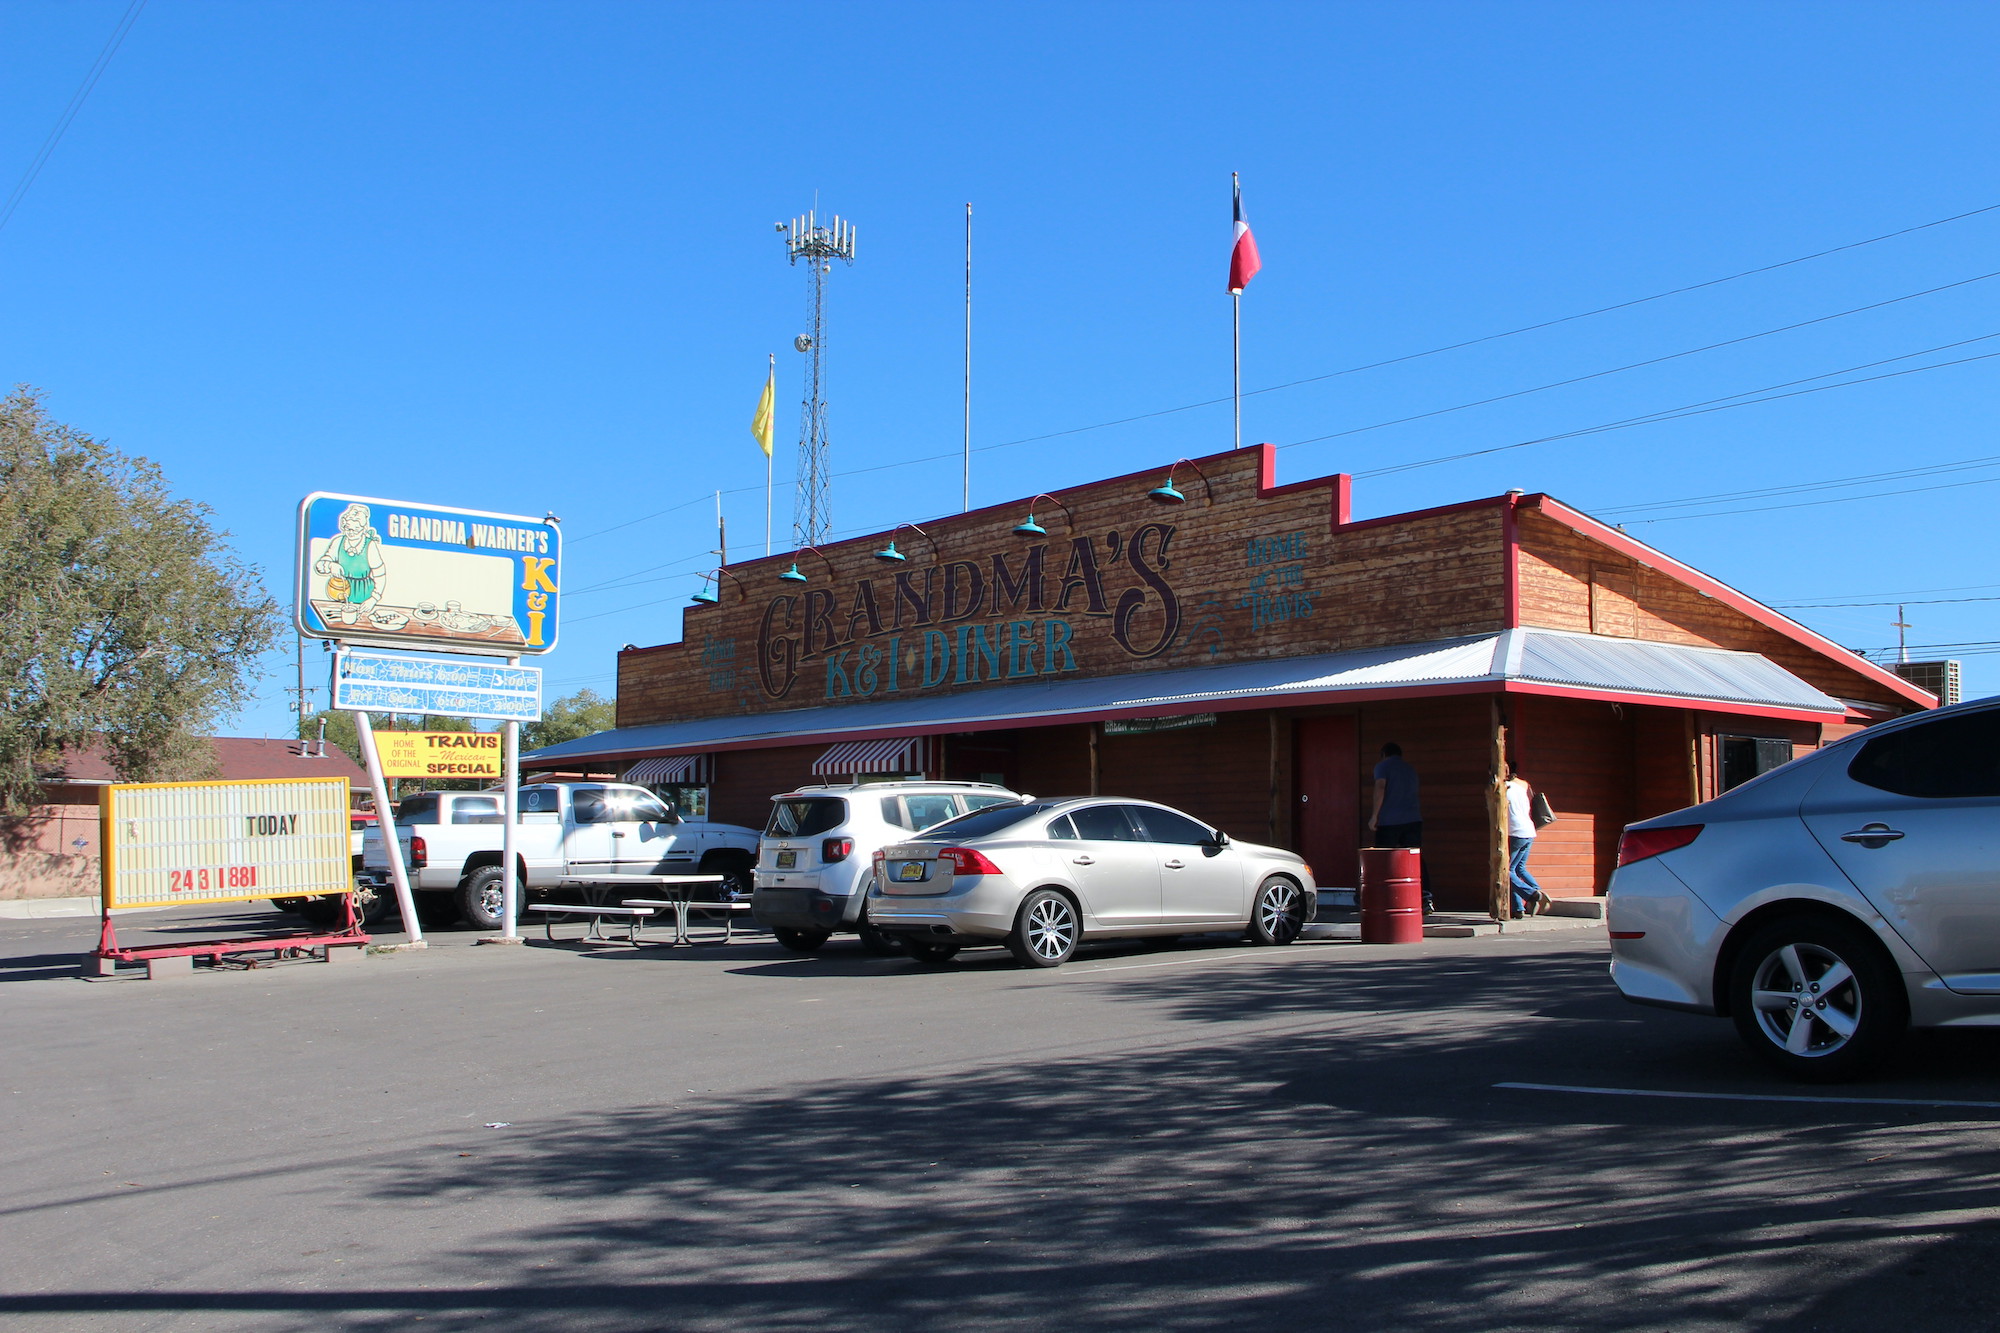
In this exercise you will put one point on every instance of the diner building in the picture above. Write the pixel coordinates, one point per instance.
(1205, 637)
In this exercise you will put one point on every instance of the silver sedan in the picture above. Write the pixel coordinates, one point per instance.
(1831, 903)
(1043, 876)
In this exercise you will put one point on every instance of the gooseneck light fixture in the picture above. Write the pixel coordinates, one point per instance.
(1030, 528)
(793, 575)
(891, 555)
(704, 597)
(1167, 493)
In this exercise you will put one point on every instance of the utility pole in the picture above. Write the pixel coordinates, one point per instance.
(818, 245)
(1903, 627)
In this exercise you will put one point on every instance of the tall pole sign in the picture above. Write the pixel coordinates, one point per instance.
(428, 579)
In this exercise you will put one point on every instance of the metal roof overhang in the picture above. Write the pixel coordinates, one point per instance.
(1520, 661)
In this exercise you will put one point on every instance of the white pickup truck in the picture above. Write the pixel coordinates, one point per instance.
(451, 845)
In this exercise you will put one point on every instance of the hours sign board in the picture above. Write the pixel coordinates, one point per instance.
(439, 754)
(425, 577)
(216, 842)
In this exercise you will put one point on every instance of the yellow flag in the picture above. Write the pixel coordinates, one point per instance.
(760, 424)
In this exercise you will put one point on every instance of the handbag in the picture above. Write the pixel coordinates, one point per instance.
(1541, 811)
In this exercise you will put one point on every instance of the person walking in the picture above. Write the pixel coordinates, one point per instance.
(1398, 818)
(1528, 896)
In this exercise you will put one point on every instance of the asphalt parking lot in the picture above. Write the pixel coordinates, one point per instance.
(730, 1137)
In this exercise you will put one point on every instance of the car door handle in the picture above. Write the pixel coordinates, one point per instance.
(1084, 860)
(1872, 835)
(1176, 865)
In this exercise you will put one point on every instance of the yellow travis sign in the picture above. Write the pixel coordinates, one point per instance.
(439, 754)
(220, 842)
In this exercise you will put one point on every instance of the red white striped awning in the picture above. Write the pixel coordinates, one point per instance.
(669, 770)
(902, 755)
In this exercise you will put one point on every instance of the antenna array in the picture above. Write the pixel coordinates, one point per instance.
(818, 245)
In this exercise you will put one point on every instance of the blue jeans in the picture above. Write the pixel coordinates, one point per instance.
(1525, 888)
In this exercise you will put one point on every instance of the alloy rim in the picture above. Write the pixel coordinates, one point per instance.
(1277, 911)
(1051, 928)
(1807, 1000)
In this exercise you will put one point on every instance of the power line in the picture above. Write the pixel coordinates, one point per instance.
(1917, 592)
(1928, 601)
(1964, 465)
(76, 102)
(1810, 504)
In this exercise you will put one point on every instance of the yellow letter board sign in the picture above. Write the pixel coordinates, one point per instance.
(439, 754)
(221, 842)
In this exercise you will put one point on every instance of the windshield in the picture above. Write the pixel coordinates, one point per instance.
(803, 816)
(985, 823)
(418, 809)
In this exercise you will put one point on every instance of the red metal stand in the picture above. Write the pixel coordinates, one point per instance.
(350, 935)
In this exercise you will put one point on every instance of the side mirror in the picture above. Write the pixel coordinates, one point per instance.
(1220, 841)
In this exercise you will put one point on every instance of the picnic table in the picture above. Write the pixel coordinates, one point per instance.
(675, 894)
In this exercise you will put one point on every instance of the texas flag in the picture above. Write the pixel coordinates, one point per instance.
(1243, 261)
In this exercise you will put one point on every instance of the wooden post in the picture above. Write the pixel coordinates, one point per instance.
(1273, 715)
(1499, 899)
(1693, 757)
(1095, 728)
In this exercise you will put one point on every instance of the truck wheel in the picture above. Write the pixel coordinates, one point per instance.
(739, 880)
(373, 903)
(322, 911)
(799, 941)
(480, 898)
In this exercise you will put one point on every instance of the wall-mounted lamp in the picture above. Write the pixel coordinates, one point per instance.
(793, 575)
(1030, 528)
(891, 555)
(1167, 493)
(704, 597)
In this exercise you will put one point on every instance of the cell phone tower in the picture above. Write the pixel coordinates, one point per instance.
(818, 246)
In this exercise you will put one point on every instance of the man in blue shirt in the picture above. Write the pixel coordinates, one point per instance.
(1398, 819)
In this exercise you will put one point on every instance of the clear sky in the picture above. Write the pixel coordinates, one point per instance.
(521, 257)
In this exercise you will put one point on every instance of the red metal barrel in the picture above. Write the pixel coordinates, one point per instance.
(1392, 895)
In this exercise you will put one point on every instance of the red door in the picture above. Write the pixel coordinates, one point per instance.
(1325, 770)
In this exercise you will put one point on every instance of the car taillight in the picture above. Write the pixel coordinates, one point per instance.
(836, 849)
(1636, 844)
(966, 861)
(420, 855)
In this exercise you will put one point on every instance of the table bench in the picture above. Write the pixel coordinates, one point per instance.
(633, 917)
(683, 908)
(675, 892)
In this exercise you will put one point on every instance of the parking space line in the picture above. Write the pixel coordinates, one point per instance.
(1748, 1096)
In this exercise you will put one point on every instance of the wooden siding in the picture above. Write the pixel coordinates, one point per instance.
(1568, 581)
(1446, 740)
(746, 780)
(1218, 774)
(1580, 754)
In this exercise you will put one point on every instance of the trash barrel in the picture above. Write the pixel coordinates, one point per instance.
(1392, 895)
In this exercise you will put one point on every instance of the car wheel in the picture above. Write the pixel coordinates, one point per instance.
(739, 879)
(928, 954)
(1816, 998)
(1279, 914)
(875, 942)
(480, 898)
(799, 941)
(1045, 930)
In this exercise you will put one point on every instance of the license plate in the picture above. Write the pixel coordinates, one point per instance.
(910, 870)
(788, 860)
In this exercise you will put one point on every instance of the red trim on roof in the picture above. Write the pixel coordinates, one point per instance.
(1607, 535)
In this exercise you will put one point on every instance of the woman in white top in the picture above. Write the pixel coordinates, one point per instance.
(1528, 895)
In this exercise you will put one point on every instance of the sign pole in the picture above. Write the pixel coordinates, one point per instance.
(510, 890)
(385, 824)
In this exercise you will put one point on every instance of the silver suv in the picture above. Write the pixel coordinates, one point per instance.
(814, 859)
(1830, 903)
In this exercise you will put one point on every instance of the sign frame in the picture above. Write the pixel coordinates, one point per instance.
(484, 760)
(340, 879)
(445, 544)
(345, 688)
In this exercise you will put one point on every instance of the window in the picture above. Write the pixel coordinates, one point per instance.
(586, 806)
(1747, 757)
(1061, 828)
(476, 810)
(991, 820)
(1104, 823)
(981, 802)
(892, 811)
(1953, 756)
(419, 809)
(1166, 826)
(805, 815)
(928, 810)
(539, 800)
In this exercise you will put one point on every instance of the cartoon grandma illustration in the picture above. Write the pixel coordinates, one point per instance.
(351, 560)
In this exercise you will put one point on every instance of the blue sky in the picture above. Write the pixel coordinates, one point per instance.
(521, 257)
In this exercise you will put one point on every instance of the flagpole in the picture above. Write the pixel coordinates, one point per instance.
(767, 465)
(1236, 358)
(968, 358)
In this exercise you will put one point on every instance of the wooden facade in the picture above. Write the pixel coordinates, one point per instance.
(1242, 570)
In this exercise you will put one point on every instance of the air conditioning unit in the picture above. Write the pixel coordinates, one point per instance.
(1940, 678)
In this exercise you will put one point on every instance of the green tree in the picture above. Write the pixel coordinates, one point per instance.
(128, 620)
(569, 718)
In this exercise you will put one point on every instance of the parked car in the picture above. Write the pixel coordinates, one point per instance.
(1042, 876)
(814, 858)
(451, 843)
(1832, 902)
